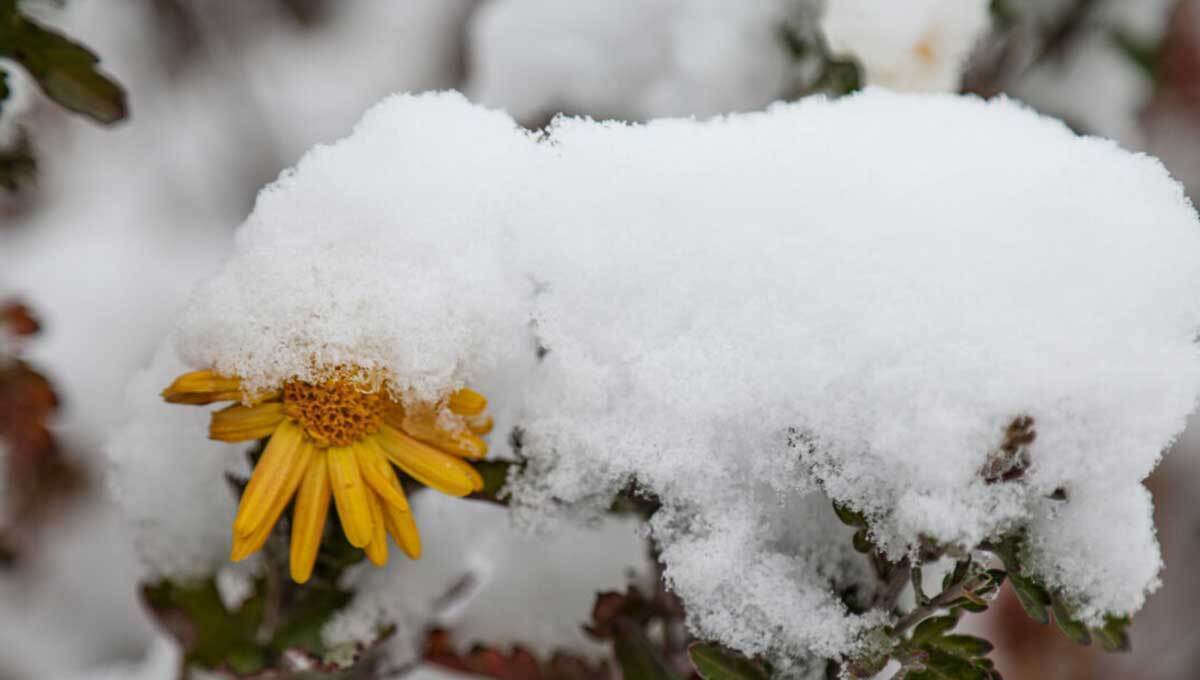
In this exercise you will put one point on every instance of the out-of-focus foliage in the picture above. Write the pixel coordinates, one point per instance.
(65, 70)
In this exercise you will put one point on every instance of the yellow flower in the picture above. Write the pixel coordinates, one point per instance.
(334, 439)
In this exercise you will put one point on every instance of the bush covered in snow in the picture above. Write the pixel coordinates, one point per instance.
(963, 326)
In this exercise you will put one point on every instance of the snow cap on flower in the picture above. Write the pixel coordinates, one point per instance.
(384, 251)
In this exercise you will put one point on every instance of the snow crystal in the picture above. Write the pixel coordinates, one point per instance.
(851, 300)
(919, 45)
(629, 59)
(489, 582)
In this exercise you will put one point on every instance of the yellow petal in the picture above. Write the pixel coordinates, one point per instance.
(245, 423)
(429, 466)
(202, 387)
(378, 473)
(377, 549)
(308, 518)
(248, 544)
(350, 495)
(480, 425)
(403, 529)
(467, 402)
(276, 476)
(424, 427)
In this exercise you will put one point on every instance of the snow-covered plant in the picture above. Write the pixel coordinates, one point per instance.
(856, 363)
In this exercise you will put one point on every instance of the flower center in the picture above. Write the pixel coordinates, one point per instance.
(335, 412)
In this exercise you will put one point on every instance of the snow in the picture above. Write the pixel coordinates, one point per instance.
(629, 59)
(162, 662)
(1100, 548)
(399, 271)
(493, 583)
(916, 46)
(170, 479)
(749, 316)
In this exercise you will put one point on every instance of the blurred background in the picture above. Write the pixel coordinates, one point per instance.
(104, 229)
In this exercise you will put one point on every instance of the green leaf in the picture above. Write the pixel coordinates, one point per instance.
(1114, 635)
(213, 637)
(850, 518)
(1033, 597)
(312, 609)
(1068, 624)
(246, 640)
(933, 627)
(714, 663)
(862, 542)
(1144, 54)
(963, 645)
(635, 655)
(917, 578)
(841, 76)
(495, 474)
(951, 667)
(65, 70)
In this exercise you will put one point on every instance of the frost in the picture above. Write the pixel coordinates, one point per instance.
(631, 59)
(919, 45)
(492, 583)
(748, 317)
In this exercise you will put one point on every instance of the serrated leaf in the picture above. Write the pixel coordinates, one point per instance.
(1071, 627)
(65, 70)
(933, 627)
(714, 663)
(963, 645)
